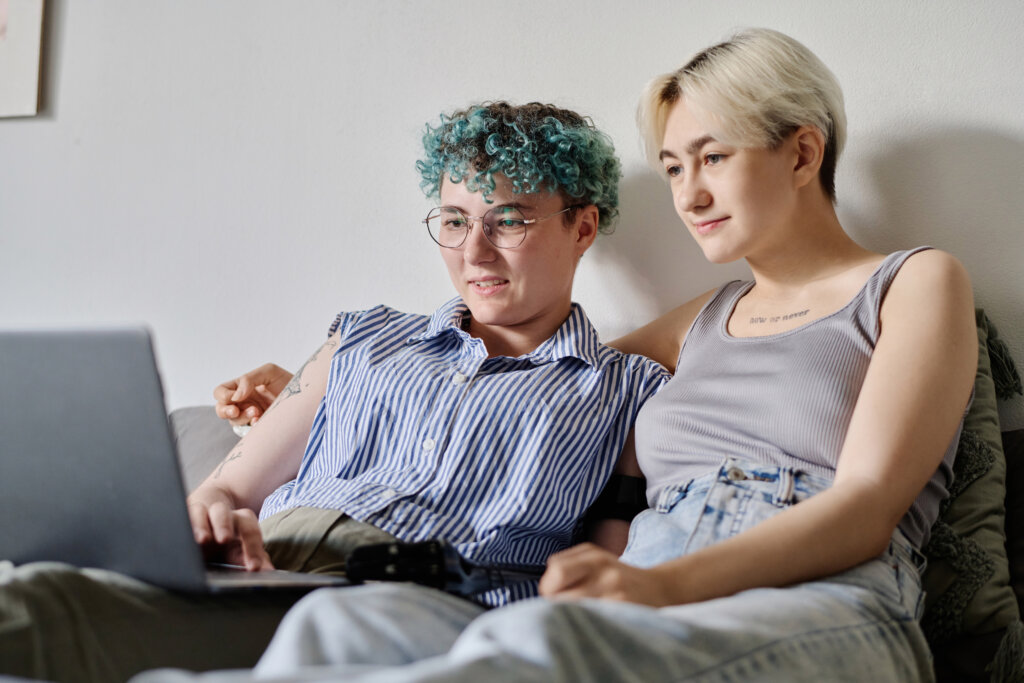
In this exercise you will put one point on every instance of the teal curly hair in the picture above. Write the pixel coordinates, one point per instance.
(536, 146)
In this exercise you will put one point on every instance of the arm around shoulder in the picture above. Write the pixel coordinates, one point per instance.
(662, 338)
(245, 399)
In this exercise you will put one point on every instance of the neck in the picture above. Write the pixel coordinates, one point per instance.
(515, 340)
(815, 247)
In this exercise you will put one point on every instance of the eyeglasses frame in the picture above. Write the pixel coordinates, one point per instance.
(472, 219)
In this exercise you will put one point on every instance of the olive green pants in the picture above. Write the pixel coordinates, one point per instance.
(61, 623)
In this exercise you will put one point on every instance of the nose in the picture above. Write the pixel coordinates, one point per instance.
(477, 248)
(692, 195)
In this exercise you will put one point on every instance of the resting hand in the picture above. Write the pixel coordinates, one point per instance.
(243, 400)
(587, 571)
(228, 536)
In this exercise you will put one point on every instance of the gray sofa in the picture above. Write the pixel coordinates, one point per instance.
(975, 578)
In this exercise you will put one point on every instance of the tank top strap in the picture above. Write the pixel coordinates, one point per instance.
(874, 290)
(713, 315)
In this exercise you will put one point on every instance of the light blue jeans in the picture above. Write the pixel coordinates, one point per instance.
(860, 625)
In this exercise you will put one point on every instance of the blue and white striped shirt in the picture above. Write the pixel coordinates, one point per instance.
(423, 436)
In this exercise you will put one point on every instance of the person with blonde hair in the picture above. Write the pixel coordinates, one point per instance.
(795, 462)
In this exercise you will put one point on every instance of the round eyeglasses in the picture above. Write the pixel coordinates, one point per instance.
(503, 226)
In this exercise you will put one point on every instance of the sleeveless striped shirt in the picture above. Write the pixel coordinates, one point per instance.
(423, 435)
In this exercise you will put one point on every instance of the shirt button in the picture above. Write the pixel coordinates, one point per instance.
(428, 444)
(459, 378)
(388, 494)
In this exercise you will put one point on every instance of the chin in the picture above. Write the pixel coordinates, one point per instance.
(719, 256)
(487, 313)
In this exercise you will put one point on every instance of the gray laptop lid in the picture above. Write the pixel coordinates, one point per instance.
(88, 469)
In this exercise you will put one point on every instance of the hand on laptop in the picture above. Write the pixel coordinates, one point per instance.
(243, 400)
(228, 536)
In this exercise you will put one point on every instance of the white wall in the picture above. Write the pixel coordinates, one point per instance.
(234, 173)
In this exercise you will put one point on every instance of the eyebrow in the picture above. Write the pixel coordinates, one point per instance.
(505, 205)
(691, 149)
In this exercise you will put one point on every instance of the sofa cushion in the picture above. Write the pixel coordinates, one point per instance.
(203, 439)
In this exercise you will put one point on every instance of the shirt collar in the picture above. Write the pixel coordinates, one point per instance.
(575, 338)
(448, 317)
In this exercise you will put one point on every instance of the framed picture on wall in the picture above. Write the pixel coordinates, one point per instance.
(21, 36)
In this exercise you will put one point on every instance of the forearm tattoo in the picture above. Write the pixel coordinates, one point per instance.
(233, 455)
(295, 386)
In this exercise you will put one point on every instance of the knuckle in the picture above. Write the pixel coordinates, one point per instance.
(246, 514)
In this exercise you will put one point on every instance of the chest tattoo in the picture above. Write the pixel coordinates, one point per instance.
(759, 319)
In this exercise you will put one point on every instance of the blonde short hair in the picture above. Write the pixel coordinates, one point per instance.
(755, 89)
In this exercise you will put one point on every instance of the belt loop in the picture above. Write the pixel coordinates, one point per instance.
(670, 495)
(784, 490)
(730, 471)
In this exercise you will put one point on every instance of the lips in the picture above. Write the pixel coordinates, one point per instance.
(706, 227)
(488, 286)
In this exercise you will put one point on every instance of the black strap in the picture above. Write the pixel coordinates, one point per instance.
(623, 497)
(433, 563)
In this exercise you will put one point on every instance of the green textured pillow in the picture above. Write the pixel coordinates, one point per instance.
(972, 619)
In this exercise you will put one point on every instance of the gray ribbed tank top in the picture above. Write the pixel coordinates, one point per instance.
(784, 399)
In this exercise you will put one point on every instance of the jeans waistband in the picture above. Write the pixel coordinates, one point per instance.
(786, 485)
(782, 486)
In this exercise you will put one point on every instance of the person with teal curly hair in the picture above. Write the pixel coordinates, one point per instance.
(492, 424)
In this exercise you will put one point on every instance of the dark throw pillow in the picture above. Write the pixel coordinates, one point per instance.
(972, 619)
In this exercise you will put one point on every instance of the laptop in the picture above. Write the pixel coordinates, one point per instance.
(89, 473)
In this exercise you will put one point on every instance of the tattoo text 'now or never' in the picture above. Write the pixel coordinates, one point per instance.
(757, 319)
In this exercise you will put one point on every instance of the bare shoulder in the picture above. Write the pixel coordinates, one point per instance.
(929, 301)
(662, 338)
(931, 278)
(931, 263)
